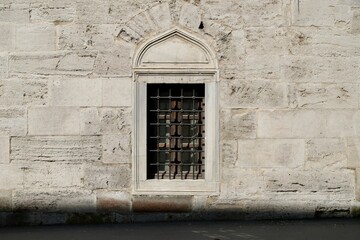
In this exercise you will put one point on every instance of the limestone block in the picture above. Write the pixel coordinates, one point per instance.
(238, 123)
(226, 12)
(190, 16)
(141, 24)
(307, 123)
(6, 37)
(310, 13)
(84, 36)
(160, 16)
(229, 150)
(111, 121)
(76, 92)
(53, 11)
(327, 42)
(13, 121)
(109, 176)
(73, 149)
(353, 152)
(114, 201)
(320, 69)
(16, 13)
(117, 92)
(5, 200)
(263, 13)
(325, 95)
(254, 94)
(115, 120)
(325, 154)
(93, 11)
(98, 11)
(71, 63)
(300, 184)
(116, 148)
(117, 62)
(245, 183)
(23, 92)
(271, 153)
(90, 123)
(355, 21)
(11, 176)
(4, 150)
(54, 200)
(35, 37)
(162, 203)
(262, 67)
(53, 175)
(266, 41)
(3, 65)
(53, 121)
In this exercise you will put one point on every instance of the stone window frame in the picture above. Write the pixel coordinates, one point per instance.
(173, 72)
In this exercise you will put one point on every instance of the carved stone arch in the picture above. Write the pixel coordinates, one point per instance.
(175, 48)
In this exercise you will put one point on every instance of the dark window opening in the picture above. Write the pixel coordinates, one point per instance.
(175, 131)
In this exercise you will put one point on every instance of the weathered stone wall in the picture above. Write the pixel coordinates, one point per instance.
(289, 106)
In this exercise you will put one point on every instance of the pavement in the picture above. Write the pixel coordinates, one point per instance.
(327, 229)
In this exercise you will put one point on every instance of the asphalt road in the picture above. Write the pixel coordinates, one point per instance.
(339, 229)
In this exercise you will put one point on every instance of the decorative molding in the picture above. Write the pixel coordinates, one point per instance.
(174, 49)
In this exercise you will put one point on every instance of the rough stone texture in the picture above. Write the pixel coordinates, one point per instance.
(326, 154)
(325, 95)
(13, 121)
(54, 121)
(274, 153)
(353, 152)
(74, 149)
(3, 65)
(116, 148)
(6, 37)
(54, 200)
(238, 123)
(85, 36)
(79, 92)
(307, 185)
(107, 176)
(52, 63)
(14, 12)
(254, 94)
(19, 92)
(115, 62)
(307, 123)
(53, 11)
(53, 175)
(4, 150)
(355, 27)
(35, 37)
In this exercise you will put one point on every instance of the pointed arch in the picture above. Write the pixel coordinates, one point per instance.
(175, 49)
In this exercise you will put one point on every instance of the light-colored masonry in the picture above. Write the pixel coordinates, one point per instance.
(287, 74)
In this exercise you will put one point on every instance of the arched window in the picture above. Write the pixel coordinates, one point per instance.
(175, 135)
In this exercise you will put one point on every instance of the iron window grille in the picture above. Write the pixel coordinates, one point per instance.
(175, 131)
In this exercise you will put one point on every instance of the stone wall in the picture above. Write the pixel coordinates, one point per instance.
(289, 107)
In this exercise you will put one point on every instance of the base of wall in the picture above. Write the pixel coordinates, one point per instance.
(55, 218)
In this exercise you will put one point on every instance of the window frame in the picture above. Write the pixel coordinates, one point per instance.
(207, 75)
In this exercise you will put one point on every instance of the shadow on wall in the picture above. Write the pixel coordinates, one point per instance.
(150, 211)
